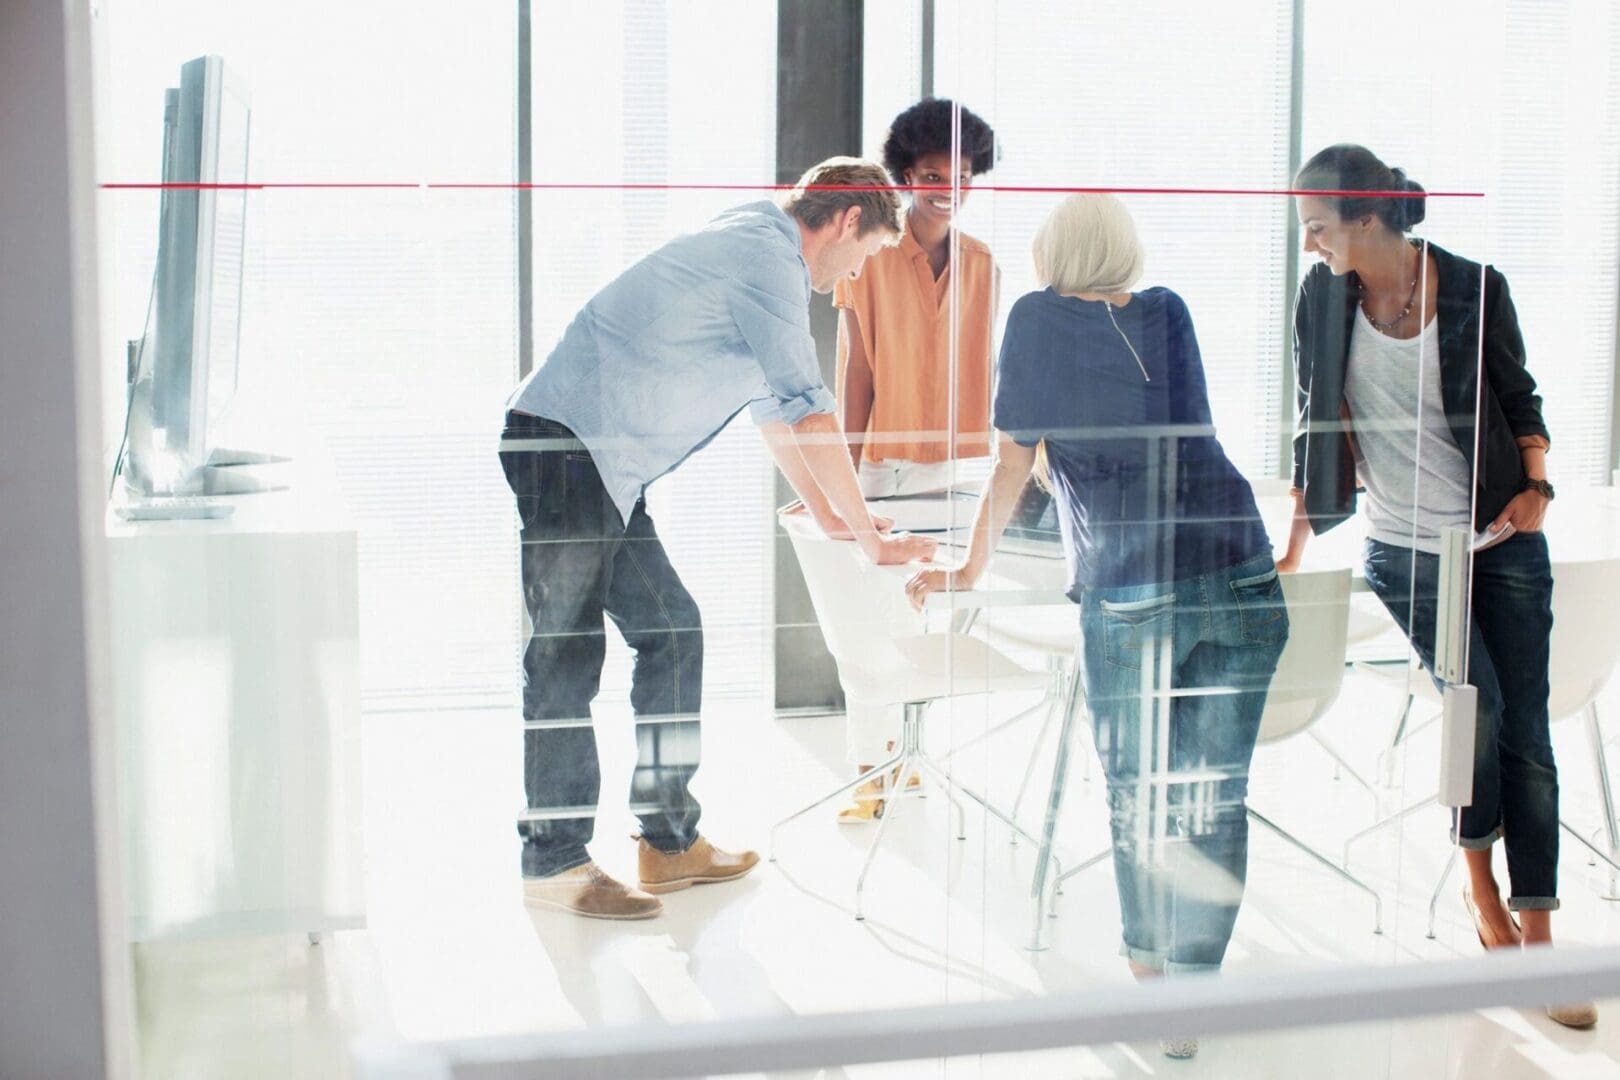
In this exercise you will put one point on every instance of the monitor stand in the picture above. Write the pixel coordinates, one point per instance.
(225, 480)
(222, 457)
(220, 475)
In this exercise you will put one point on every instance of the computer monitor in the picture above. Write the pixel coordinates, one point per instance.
(1033, 527)
(196, 335)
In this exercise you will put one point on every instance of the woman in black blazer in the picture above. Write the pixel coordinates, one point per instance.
(1413, 389)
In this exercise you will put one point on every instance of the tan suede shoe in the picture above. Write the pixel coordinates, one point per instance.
(700, 864)
(587, 890)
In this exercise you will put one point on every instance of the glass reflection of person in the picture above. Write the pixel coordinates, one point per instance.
(1182, 617)
(909, 409)
(1397, 350)
(648, 371)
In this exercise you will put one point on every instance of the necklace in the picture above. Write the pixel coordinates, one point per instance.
(1386, 327)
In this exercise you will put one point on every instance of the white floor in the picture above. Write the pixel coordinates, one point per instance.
(450, 952)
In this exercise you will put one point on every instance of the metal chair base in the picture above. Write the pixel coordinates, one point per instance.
(911, 760)
(1276, 830)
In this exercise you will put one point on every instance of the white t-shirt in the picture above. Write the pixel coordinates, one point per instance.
(1418, 481)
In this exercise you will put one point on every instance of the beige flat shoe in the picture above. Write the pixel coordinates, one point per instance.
(1180, 1049)
(1579, 1017)
(1480, 928)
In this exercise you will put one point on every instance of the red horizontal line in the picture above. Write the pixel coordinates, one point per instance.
(1015, 189)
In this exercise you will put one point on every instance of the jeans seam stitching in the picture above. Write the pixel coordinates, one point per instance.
(674, 637)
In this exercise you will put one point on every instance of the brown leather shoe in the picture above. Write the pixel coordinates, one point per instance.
(700, 864)
(587, 890)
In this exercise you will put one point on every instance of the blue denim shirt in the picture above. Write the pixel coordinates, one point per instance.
(1144, 491)
(662, 358)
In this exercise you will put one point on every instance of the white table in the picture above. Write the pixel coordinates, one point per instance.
(236, 660)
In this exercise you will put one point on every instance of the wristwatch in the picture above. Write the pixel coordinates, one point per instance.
(1541, 486)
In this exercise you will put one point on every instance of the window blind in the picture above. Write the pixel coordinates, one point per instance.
(679, 93)
(1520, 100)
(1147, 95)
(378, 325)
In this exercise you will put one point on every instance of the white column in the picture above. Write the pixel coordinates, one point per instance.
(64, 969)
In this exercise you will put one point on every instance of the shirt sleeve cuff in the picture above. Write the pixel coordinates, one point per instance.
(768, 410)
(791, 410)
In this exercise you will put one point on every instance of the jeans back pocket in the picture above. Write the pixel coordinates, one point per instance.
(1129, 625)
(1262, 611)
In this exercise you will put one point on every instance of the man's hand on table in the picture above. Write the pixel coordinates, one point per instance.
(834, 527)
(902, 548)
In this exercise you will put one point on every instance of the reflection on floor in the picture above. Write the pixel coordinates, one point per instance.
(450, 953)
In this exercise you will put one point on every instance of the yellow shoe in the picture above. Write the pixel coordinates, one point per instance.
(870, 801)
(868, 804)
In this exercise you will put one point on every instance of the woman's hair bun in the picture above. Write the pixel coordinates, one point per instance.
(1407, 211)
(1374, 188)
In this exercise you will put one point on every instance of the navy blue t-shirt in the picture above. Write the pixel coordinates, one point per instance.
(1144, 491)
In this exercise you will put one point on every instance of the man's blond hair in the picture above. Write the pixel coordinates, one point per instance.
(827, 189)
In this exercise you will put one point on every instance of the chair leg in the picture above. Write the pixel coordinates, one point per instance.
(870, 774)
(1019, 717)
(1614, 867)
(1600, 761)
(1386, 760)
(1057, 886)
(1038, 889)
(907, 767)
(1392, 819)
(1283, 834)
(1445, 876)
(1034, 752)
(945, 781)
(1339, 763)
(958, 811)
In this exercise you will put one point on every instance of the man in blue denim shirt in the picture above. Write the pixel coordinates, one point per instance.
(648, 372)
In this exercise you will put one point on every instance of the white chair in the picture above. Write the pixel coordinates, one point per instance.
(1309, 675)
(871, 633)
(1053, 632)
(1585, 648)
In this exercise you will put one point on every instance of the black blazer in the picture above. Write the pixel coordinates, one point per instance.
(1507, 405)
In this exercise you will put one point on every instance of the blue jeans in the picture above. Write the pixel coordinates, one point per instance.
(1176, 676)
(1515, 779)
(580, 561)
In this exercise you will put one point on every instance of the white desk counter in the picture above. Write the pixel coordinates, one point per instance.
(1582, 524)
(236, 667)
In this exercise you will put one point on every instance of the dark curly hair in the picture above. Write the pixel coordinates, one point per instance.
(1349, 167)
(925, 128)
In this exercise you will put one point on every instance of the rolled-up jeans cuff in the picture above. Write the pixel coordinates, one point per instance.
(539, 865)
(1533, 903)
(668, 843)
(1178, 969)
(1481, 843)
(1151, 959)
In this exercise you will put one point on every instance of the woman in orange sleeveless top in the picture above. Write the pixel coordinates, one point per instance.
(910, 418)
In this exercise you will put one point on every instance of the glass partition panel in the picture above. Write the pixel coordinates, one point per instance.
(1152, 438)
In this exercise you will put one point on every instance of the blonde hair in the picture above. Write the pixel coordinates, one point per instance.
(816, 198)
(1088, 244)
(1043, 468)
